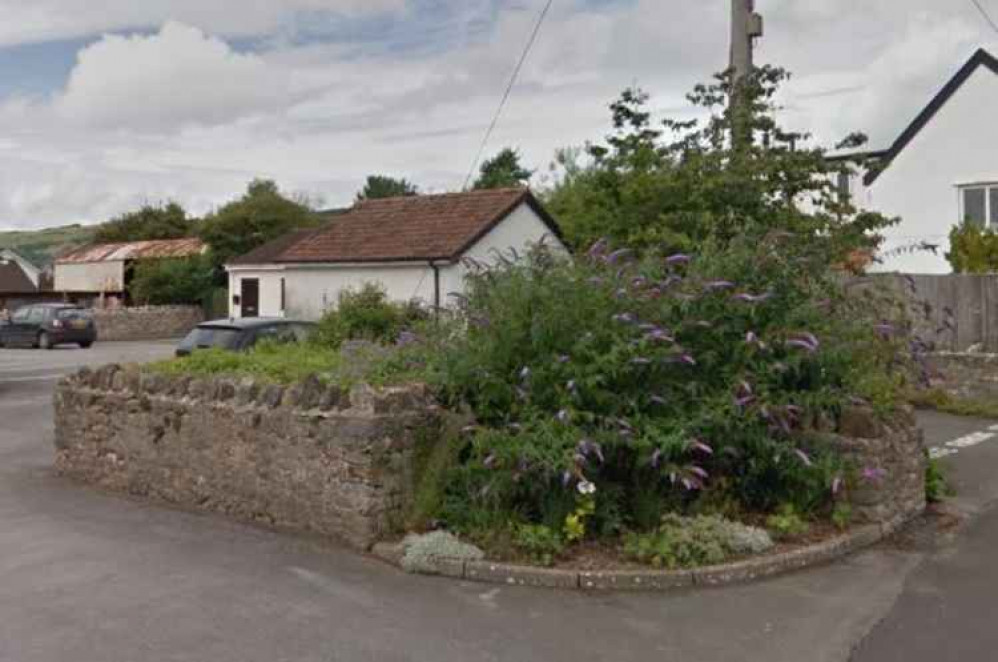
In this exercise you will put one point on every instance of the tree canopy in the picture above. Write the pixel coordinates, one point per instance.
(169, 221)
(262, 214)
(382, 186)
(680, 183)
(172, 281)
(504, 170)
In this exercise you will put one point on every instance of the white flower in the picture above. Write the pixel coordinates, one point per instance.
(585, 487)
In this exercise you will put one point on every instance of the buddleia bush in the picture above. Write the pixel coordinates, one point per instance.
(643, 383)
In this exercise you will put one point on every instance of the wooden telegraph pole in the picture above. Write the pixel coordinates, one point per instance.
(746, 27)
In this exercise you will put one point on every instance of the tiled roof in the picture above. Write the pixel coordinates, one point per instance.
(136, 250)
(424, 227)
(13, 280)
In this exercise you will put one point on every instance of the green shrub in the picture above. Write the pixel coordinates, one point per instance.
(787, 524)
(937, 487)
(682, 542)
(973, 250)
(169, 282)
(367, 314)
(842, 515)
(658, 380)
(541, 543)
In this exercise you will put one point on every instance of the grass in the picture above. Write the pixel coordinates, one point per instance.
(942, 401)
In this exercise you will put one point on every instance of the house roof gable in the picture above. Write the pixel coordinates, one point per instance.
(404, 229)
(981, 58)
(13, 279)
(135, 250)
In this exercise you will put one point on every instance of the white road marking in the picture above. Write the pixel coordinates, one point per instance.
(967, 441)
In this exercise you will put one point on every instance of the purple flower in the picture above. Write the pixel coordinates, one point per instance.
(598, 249)
(659, 335)
(836, 485)
(564, 358)
(490, 461)
(562, 416)
(744, 401)
(566, 479)
(699, 472)
(801, 343)
(658, 400)
(687, 359)
(718, 285)
(874, 474)
(613, 257)
(752, 298)
(804, 457)
(625, 318)
(678, 258)
(699, 445)
(406, 338)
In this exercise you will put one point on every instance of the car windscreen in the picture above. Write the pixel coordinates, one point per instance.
(205, 337)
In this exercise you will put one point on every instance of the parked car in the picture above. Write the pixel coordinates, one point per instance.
(46, 325)
(238, 335)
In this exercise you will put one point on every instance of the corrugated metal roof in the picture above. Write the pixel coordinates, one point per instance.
(136, 250)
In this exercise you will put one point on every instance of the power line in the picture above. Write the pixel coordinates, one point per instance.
(509, 90)
(985, 14)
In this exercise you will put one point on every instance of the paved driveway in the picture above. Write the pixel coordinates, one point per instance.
(92, 577)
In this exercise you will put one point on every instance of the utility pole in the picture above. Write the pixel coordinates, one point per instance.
(746, 27)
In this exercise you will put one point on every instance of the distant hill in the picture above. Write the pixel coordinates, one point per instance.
(41, 246)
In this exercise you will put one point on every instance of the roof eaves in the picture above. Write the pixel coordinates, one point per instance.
(979, 59)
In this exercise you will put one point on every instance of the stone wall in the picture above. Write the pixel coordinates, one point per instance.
(889, 458)
(966, 375)
(310, 457)
(146, 323)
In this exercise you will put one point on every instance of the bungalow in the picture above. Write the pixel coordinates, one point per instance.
(414, 247)
(939, 172)
(104, 270)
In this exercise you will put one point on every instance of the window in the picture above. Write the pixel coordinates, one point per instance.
(21, 316)
(979, 205)
(843, 187)
(36, 316)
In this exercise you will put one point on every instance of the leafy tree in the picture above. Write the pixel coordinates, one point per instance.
(172, 281)
(973, 250)
(381, 186)
(260, 215)
(503, 171)
(678, 183)
(168, 221)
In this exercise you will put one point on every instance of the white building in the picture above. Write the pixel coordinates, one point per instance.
(942, 170)
(411, 246)
(106, 269)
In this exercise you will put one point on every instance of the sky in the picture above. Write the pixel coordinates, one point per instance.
(108, 105)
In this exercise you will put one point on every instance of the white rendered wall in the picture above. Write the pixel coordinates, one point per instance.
(958, 146)
(90, 277)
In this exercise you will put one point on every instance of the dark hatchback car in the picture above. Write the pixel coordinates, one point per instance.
(47, 325)
(238, 335)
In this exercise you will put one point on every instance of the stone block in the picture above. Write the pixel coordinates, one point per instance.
(513, 575)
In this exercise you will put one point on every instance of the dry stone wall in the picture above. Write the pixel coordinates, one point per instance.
(965, 374)
(889, 458)
(146, 323)
(309, 457)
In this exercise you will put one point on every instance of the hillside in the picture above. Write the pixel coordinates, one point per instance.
(40, 246)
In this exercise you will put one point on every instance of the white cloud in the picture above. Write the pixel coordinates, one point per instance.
(200, 119)
(178, 76)
(28, 21)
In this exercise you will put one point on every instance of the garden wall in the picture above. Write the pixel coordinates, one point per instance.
(146, 323)
(309, 457)
(891, 460)
(966, 375)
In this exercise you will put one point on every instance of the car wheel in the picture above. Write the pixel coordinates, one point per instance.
(86, 345)
(44, 342)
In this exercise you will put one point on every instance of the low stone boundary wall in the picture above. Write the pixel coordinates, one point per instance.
(966, 375)
(310, 457)
(146, 323)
